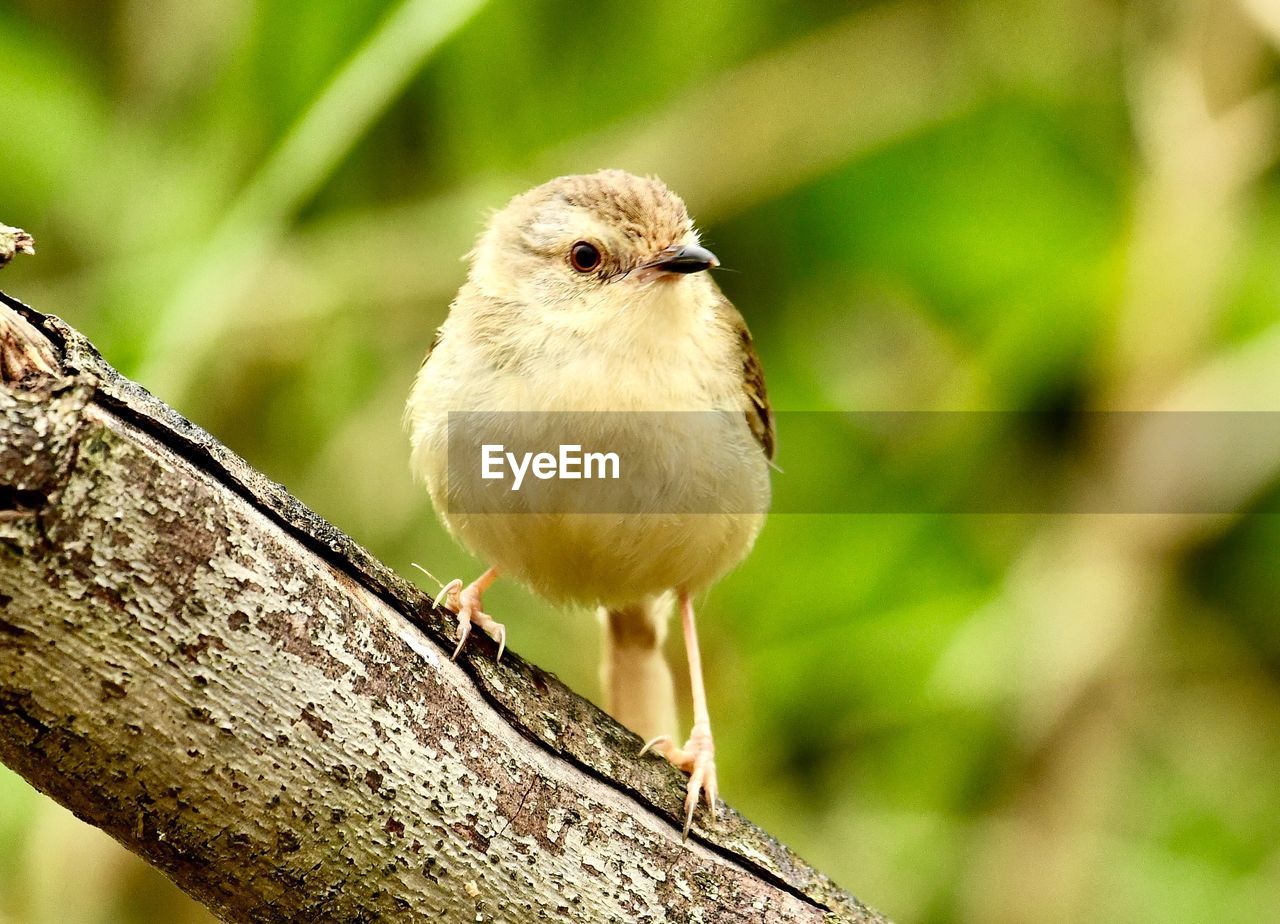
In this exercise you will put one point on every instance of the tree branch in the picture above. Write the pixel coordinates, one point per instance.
(235, 690)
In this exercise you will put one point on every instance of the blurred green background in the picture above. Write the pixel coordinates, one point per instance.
(257, 208)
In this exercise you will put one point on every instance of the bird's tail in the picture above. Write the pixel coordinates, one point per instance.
(637, 682)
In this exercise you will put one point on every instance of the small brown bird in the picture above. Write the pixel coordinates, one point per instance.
(590, 294)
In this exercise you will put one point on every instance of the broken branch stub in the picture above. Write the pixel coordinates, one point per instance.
(194, 662)
(14, 241)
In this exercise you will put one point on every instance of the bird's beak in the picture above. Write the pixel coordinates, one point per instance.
(687, 259)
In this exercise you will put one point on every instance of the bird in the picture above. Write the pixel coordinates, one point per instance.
(590, 296)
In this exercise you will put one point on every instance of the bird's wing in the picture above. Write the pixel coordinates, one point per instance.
(435, 342)
(759, 415)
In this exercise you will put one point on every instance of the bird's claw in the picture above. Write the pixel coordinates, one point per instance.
(697, 758)
(464, 602)
(657, 744)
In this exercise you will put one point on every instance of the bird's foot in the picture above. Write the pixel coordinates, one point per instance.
(465, 602)
(697, 758)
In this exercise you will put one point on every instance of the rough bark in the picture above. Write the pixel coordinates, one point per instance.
(236, 691)
(14, 241)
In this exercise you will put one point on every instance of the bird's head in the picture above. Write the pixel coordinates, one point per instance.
(601, 241)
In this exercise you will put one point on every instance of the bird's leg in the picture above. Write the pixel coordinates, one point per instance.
(697, 757)
(465, 602)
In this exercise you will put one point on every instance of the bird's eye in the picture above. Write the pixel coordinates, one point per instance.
(584, 257)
